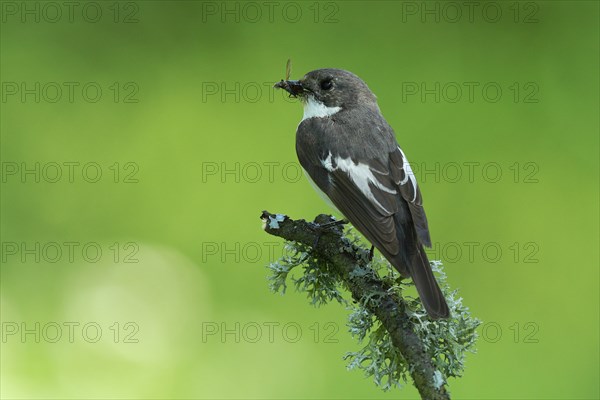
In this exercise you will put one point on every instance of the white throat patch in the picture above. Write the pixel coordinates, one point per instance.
(316, 109)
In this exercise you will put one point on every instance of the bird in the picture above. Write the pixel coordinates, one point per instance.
(351, 157)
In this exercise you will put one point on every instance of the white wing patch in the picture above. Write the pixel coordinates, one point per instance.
(327, 163)
(316, 109)
(360, 174)
(408, 174)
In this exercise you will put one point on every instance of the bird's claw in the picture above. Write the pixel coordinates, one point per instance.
(321, 228)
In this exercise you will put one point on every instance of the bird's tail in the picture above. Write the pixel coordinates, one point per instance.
(430, 293)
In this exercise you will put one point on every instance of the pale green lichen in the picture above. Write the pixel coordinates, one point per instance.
(317, 280)
(446, 341)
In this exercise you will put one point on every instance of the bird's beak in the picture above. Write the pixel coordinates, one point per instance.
(294, 88)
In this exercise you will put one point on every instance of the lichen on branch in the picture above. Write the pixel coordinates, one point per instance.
(399, 338)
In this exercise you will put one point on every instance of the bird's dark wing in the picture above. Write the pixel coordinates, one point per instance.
(373, 187)
(363, 189)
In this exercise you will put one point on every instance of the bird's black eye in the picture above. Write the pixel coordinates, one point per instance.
(327, 84)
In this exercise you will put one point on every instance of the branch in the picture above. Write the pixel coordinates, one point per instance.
(390, 309)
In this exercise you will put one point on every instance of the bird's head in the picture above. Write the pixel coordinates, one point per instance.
(331, 88)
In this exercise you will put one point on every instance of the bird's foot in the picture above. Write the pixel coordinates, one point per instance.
(322, 224)
(322, 227)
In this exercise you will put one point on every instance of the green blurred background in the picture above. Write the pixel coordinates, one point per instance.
(192, 144)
